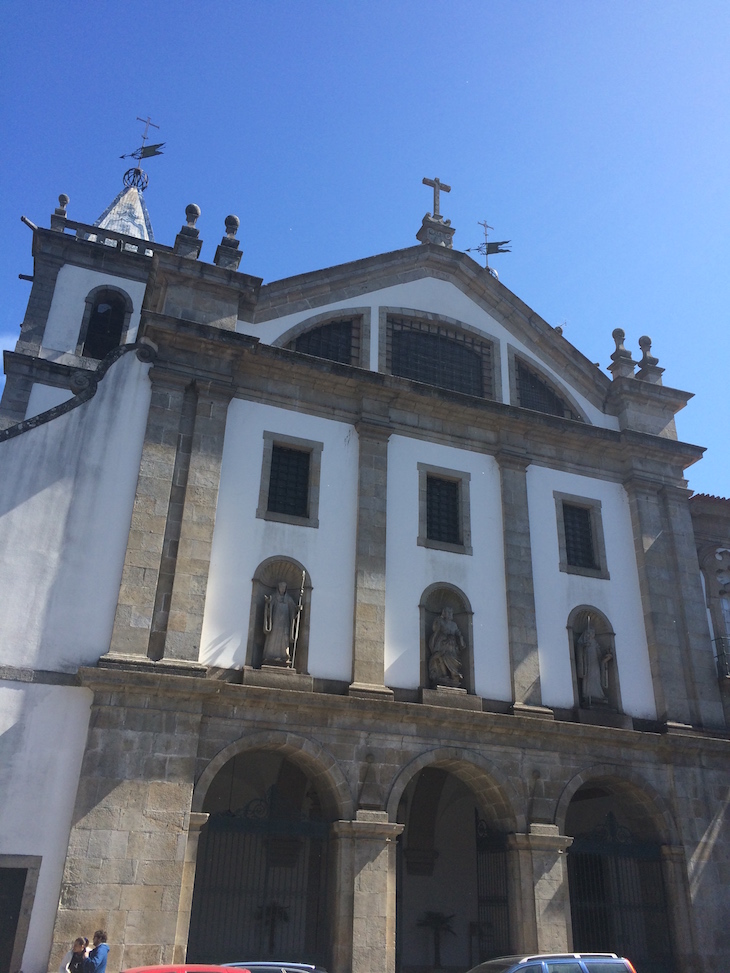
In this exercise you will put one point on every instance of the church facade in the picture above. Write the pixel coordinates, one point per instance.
(354, 618)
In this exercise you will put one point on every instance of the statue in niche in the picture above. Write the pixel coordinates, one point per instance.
(591, 664)
(446, 646)
(281, 626)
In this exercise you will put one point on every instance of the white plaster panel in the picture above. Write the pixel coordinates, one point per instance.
(68, 305)
(436, 297)
(558, 593)
(42, 737)
(410, 569)
(241, 541)
(43, 397)
(66, 494)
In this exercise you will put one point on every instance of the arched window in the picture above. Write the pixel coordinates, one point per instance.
(106, 320)
(336, 341)
(440, 354)
(535, 392)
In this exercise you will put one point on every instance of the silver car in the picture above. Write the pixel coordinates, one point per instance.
(557, 963)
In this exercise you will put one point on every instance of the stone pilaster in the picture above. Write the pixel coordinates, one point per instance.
(196, 820)
(545, 902)
(521, 618)
(368, 658)
(143, 560)
(683, 672)
(126, 864)
(364, 937)
(192, 562)
(674, 869)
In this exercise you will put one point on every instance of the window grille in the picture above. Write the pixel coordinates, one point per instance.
(432, 353)
(579, 550)
(442, 510)
(534, 393)
(289, 482)
(333, 341)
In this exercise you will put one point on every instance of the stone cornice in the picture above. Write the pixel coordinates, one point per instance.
(301, 711)
(329, 389)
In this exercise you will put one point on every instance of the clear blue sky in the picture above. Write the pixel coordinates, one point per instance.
(593, 134)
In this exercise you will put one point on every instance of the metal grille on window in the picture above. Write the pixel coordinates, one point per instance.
(577, 523)
(289, 482)
(536, 394)
(332, 341)
(433, 354)
(442, 510)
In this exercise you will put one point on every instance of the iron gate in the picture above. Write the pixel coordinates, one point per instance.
(260, 887)
(492, 898)
(617, 898)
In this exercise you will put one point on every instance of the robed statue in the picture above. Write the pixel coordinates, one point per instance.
(446, 646)
(281, 626)
(591, 663)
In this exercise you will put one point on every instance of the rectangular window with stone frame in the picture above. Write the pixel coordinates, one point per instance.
(443, 509)
(580, 536)
(290, 476)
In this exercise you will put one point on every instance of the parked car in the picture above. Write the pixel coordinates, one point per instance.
(180, 968)
(557, 963)
(274, 966)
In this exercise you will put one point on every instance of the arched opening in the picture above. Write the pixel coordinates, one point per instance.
(262, 869)
(279, 619)
(105, 321)
(618, 898)
(446, 638)
(452, 894)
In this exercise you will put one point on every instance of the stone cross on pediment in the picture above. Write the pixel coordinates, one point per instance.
(438, 188)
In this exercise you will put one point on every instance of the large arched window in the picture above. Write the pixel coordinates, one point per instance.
(336, 341)
(105, 323)
(437, 353)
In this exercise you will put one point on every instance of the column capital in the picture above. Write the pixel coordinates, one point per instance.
(513, 458)
(540, 837)
(372, 825)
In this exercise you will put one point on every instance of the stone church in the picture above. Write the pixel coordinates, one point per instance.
(354, 618)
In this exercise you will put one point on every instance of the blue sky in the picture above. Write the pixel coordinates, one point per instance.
(593, 134)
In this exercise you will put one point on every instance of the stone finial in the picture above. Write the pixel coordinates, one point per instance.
(648, 366)
(187, 243)
(228, 255)
(58, 218)
(622, 363)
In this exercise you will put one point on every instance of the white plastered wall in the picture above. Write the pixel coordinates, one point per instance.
(436, 297)
(66, 495)
(410, 569)
(242, 541)
(42, 737)
(68, 305)
(43, 397)
(558, 593)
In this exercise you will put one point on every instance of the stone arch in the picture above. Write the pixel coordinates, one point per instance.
(623, 783)
(496, 794)
(437, 596)
(271, 570)
(359, 318)
(319, 764)
(578, 620)
(97, 336)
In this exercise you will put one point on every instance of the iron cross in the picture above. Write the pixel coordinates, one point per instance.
(438, 187)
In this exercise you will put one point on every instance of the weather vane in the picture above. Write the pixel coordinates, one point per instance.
(486, 248)
(137, 177)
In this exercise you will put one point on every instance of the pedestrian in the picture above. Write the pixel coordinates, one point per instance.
(96, 960)
(73, 961)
